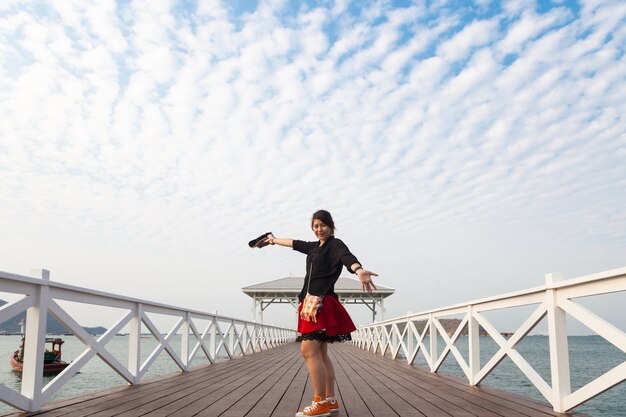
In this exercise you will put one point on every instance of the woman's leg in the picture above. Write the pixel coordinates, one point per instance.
(311, 351)
(330, 371)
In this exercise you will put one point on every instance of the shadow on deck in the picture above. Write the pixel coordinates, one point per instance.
(274, 383)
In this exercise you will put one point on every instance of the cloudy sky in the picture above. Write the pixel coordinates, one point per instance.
(464, 151)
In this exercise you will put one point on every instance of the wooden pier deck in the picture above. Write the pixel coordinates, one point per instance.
(274, 383)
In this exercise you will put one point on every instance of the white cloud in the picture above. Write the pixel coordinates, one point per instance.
(528, 27)
(474, 35)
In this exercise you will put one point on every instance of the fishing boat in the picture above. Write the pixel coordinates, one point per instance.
(52, 362)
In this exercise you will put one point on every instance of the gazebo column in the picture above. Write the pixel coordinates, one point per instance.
(254, 308)
(261, 312)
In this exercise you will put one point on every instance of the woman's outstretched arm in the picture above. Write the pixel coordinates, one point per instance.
(282, 241)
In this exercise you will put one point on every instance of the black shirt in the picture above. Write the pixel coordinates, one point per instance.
(323, 265)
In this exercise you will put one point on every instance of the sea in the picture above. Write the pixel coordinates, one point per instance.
(590, 356)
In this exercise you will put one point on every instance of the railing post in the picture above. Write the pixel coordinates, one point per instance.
(35, 343)
(559, 354)
(184, 342)
(433, 341)
(244, 338)
(366, 342)
(410, 345)
(212, 336)
(254, 308)
(134, 344)
(264, 337)
(231, 338)
(474, 344)
(384, 340)
(394, 339)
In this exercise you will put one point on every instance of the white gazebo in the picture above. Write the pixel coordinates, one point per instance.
(286, 290)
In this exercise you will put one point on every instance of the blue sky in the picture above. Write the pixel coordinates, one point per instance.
(463, 150)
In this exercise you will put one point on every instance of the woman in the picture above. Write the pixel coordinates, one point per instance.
(322, 318)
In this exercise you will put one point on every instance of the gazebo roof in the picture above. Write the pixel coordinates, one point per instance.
(291, 286)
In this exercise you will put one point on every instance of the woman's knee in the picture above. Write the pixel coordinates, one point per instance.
(309, 349)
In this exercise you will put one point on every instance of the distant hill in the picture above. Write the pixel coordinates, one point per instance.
(12, 326)
(449, 325)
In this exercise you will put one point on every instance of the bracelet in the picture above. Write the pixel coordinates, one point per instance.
(357, 268)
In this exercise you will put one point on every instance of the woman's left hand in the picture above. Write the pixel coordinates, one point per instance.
(365, 277)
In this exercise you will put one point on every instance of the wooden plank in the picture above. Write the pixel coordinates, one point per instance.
(352, 403)
(369, 395)
(412, 395)
(290, 401)
(439, 401)
(503, 403)
(266, 405)
(193, 399)
(513, 401)
(438, 387)
(242, 406)
(241, 399)
(399, 405)
(144, 399)
(500, 402)
(134, 395)
(129, 396)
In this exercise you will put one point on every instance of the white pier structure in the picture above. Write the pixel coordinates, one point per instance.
(200, 334)
(286, 290)
(554, 300)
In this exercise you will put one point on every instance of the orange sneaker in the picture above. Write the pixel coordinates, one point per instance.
(333, 404)
(317, 408)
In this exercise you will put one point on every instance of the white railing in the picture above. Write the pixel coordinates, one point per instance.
(40, 298)
(553, 300)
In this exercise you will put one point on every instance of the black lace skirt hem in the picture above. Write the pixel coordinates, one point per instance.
(323, 337)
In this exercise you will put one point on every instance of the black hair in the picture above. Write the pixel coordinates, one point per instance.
(325, 217)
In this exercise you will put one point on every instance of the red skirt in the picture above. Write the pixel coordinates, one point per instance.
(333, 323)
